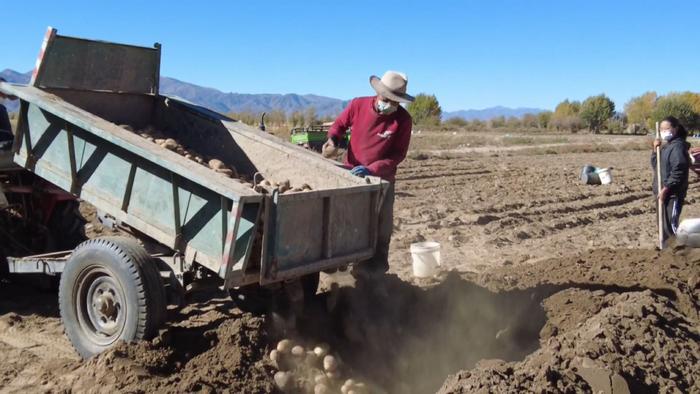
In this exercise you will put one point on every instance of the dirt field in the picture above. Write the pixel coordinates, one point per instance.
(546, 285)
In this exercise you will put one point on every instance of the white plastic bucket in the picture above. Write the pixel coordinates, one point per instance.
(426, 258)
(605, 176)
(690, 225)
(688, 233)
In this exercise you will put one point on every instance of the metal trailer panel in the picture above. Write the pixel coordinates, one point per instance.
(76, 63)
(105, 166)
(135, 188)
(314, 231)
(334, 225)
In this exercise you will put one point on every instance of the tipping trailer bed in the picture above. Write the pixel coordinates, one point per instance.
(68, 134)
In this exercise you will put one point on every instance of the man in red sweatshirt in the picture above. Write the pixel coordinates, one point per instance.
(381, 132)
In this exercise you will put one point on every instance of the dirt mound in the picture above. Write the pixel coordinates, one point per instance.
(219, 349)
(614, 343)
(675, 273)
(548, 297)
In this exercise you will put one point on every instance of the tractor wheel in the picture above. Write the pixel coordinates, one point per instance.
(108, 292)
(66, 225)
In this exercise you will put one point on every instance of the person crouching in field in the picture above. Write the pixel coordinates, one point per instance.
(675, 164)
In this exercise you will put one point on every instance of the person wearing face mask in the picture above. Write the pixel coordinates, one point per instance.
(675, 164)
(381, 133)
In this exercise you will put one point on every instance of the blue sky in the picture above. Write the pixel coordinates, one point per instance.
(469, 54)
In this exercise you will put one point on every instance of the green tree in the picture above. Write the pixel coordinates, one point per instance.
(425, 110)
(596, 110)
(543, 119)
(567, 108)
(566, 116)
(639, 110)
(678, 106)
(691, 98)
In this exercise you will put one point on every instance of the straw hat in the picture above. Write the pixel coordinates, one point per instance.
(392, 85)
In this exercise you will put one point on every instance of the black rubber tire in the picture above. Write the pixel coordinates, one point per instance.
(66, 225)
(152, 278)
(123, 264)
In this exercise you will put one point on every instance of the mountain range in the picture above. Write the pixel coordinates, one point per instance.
(220, 101)
(490, 113)
(257, 103)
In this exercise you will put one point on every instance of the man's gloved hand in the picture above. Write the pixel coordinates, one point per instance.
(360, 171)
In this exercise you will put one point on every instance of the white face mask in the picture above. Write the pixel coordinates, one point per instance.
(666, 135)
(385, 107)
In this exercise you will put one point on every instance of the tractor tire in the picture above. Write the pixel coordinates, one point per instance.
(66, 225)
(108, 293)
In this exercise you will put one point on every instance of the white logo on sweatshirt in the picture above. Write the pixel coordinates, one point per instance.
(386, 134)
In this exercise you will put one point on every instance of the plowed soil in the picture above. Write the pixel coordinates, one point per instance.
(546, 285)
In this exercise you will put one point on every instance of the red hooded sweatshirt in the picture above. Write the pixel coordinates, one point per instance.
(378, 142)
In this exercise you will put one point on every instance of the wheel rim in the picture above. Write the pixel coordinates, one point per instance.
(100, 305)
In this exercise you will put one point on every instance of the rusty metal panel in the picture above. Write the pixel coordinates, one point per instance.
(82, 64)
(156, 200)
(299, 232)
(351, 223)
(319, 230)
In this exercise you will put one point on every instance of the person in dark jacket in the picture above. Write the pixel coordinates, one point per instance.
(675, 164)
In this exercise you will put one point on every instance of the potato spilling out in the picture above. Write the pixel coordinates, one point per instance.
(298, 351)
(284, 381)
(330, 364)
(315, 371)
(285, 346)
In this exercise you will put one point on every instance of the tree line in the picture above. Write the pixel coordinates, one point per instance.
(596, 114)
(278, 119)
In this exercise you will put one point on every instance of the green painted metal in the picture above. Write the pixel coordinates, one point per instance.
(312, 134)
(76, 63)
(68, 134)
(136, 189)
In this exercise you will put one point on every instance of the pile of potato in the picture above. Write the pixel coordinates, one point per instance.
(284, 187)
(316, 370)
(264, 186)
